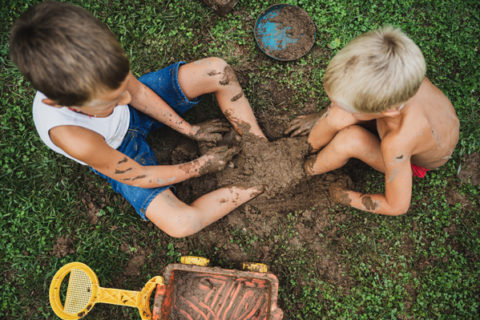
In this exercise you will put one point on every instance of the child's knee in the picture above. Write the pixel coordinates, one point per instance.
(216, 64)
(219, 71)
(179, 223)
(351, 139)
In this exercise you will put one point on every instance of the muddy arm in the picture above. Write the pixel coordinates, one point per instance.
(398, 188)
(91, 148)
(148, 102)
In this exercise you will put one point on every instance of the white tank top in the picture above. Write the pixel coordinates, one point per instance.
(113, 128)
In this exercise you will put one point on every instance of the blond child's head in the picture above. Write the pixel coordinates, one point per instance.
(66, 53)
(375, 72)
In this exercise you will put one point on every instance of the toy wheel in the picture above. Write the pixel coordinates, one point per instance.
(197, 261)
(254, 266)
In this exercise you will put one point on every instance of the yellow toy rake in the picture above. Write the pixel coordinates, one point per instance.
(84, 291)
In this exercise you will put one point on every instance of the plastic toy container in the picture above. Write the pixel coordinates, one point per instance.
(200, 292)
(191, 291)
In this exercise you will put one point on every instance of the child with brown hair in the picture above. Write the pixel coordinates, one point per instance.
(380, 76)
(91, 109)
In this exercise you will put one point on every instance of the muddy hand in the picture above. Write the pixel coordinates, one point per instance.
(302, 125)
(210, 130)
(217, 158)
(339, 195)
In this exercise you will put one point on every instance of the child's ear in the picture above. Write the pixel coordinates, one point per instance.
(393, 112)
(51, 103)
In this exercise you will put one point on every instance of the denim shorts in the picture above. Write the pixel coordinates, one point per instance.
(163, 82)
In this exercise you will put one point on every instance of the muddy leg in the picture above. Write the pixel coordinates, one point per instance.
(214, 75)
(351, 142)
(178, 219)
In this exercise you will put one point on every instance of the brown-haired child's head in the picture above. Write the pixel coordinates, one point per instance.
(66, 53)
(376, 71)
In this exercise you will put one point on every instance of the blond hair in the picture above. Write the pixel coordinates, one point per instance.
(66, 53)
(375, 71)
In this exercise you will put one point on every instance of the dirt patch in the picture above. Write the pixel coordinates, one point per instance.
(298, 25)
(470, 171)
(62, 247)
(222, 7)
(136, 262)
(276, 165)
(257, 230)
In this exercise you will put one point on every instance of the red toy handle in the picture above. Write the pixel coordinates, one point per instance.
(159, 293)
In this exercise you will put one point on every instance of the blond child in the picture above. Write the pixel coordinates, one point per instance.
(90, 108)
(380, 76)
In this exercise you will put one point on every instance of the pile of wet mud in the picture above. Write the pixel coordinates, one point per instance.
(277, 166)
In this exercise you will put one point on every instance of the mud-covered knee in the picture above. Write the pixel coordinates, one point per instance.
(222, 72)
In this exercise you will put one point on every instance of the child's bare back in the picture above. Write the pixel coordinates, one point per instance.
(428, 124)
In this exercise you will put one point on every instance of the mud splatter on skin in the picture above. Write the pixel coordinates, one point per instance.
(213, 73)
(237, 96)
(139, 177)
(239, 125)
(436, 136)
(122, 171)
(123, 160)
(400, 157)
(368, 203)
(228, 76)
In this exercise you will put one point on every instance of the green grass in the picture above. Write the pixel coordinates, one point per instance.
(422, 265)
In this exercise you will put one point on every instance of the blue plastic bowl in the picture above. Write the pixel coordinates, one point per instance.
(273, 38)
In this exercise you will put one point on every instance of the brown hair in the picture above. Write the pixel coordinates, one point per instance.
(66, 53)
(375, 71)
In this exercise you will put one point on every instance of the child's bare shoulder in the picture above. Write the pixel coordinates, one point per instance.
(397, 145)
(428, 130)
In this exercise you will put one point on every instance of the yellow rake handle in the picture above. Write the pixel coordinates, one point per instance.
(83, 292)
(118, 297)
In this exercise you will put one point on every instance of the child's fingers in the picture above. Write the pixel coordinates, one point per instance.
(218, 128)
(294, 125)
(299, 132)
(217, 123)
(233, 151)
(214, 137)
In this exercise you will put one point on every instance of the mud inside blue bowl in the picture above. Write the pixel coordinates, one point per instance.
(284, 32)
